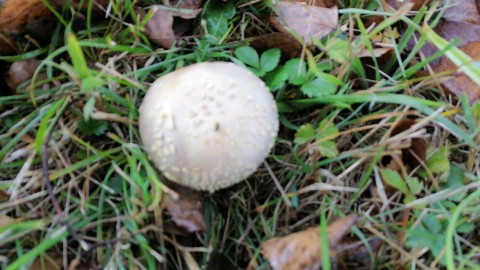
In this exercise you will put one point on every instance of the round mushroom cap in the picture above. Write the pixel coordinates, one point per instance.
(209, 125)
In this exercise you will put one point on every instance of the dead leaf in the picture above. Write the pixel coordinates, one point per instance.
(414, 155)
(188, 9)
(184, 4)
(308, 22)
(319, 3)
(417, 4)
(302, 250)
(462, 11)
(373, 20)
(16, 15)
(160, 27)
(463, 31)
(20, 72)
(285, 42)
(459, 83)
(187, 211)
(377, 52)
(413, 150)
(170, 20)
(352, 253)
(461, 21)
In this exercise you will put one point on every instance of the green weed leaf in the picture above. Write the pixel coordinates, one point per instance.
(455, 179)
(432, 223)
(269, 60)
(326, 129)
(339, 50)
(93, 127)
(421, 237)
(88, 108)
(277, 78)
(466, 228)
(438, 162)
(394, 179)
(90, 83)
(218, 17)
(318, 88)
(249, 56)
(78, 59)
(328, 149)
(297, 71)
(414, 185)
(305, 134)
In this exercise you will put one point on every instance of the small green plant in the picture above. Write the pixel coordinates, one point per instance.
(313, 82)
(437, 161)
(323, 135)
(429, 233)
(409, 186)
(93, 127)
(259, 65)
(218, 21)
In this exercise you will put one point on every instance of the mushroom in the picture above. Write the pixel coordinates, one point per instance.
(209, 125)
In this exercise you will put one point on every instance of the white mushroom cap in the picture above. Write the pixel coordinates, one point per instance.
(209, 125)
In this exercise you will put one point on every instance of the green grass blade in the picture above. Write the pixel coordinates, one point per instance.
(458, 57)
(421, 105)
(77, 56)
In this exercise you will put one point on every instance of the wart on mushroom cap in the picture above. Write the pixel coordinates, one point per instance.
(209, 125)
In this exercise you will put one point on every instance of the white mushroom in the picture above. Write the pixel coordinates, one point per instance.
(209, 125)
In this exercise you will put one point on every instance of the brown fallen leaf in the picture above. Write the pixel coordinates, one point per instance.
(187, 211)
(17, 15)
(463, 31)
(285, 42)
(352, 253)
(462, 11)
(20, 72)
(170, 20)
(414, 155)
(302, 250)
(377, 52)
(160, 28)
(308, 22)
(417, 4)
(319, 3)
(413, 152)
(187, 9)
(373, 20)
(459, 83)
(461, 21)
